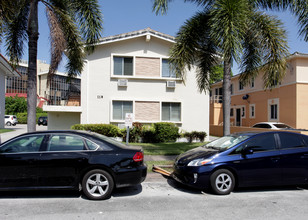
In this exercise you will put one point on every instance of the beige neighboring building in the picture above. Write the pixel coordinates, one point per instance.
(129, 73)
(6, 70)
(287, 102)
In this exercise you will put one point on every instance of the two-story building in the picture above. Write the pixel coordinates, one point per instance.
(6, 70)
(250, 104)
(129, 73)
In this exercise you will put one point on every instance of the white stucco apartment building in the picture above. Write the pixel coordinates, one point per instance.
(129, 73)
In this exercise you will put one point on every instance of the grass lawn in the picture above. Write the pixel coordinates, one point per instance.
(166, 148)
(5, 130)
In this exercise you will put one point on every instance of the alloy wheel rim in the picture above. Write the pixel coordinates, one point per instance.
(97, 185)
(223, 182)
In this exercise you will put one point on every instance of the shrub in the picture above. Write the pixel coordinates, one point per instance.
(22, 117)
(166, 132)
(200, 135)
(148, 134)
(135, 133)
(108, 130)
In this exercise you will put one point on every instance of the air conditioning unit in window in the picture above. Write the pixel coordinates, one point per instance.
(171, 84)
(122, 82)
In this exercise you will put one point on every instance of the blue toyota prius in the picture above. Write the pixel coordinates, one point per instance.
(245, 159)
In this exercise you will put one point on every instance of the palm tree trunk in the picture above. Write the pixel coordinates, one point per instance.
(226, 103)
(32, 68)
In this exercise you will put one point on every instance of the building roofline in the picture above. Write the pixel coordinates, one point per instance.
(135, 34)
(9, 70)
(291, 56)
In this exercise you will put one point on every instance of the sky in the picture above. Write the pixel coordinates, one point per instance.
(122, 16)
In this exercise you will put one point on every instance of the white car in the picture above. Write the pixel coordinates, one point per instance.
(272, 125)
(10, 120)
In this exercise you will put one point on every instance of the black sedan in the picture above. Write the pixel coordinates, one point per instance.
(245, 159)
(69, 160)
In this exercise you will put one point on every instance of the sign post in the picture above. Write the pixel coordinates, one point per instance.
(129, 118)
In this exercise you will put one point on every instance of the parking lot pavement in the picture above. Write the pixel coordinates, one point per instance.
(17, 130)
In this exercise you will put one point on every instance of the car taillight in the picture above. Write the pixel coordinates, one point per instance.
(12, 117)
(138, 157)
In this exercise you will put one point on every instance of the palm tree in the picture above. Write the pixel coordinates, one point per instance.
(234, 31)
(75, 26)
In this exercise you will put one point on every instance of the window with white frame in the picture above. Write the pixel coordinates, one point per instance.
(171, 111)
(231, 112)
(120, 108)
(274, 111)
(252, 110)
(166, 71)
(123, 66)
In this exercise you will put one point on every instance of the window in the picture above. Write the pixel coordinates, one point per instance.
(252, 111)
(120, 108)
(166, 71)
(243, 112)
(231, 89)
(290, 140)
(261, 143)
(260, 125)
(123, 66)
(23, 145)
(231, 112)
(91, 145)
(241, 86)
(274, 111)
(252, 83)
(171, 111)
(65, 143)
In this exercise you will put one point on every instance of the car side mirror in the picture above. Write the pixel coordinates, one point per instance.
(247, 151)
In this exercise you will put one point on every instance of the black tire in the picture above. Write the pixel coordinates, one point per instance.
(14, 124)
(222, 182)
(8, 123)
(100, 182)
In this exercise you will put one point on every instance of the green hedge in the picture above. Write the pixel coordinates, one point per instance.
(166, 132)
(22, 117)
(108, 130)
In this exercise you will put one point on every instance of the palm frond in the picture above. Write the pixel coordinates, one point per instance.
(57, 41)
(274, 48)
(15, 31)
(161, 6)
(89, 18)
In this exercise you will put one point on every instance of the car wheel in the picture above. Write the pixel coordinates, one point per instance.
(97, 185)
(8, 123)
(222, 182)
(14, 124)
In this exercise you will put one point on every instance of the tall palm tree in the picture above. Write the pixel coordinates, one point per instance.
(75, 26)
(234, 31)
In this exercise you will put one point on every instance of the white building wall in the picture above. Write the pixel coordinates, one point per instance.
(99, 87)
(62, 120)
(2, 99)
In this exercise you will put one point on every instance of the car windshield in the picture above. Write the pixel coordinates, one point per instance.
(282, 126)
(226, 142)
